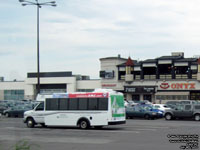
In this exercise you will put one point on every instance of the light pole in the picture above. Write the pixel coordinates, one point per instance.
(39, 5)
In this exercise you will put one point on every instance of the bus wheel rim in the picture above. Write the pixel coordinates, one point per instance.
(30, 123)
(83, 124)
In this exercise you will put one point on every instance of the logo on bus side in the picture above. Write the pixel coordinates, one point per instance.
(87, 95)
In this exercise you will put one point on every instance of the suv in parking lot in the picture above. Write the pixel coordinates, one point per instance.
(184, 111)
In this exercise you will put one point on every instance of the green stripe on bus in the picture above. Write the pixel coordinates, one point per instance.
(118, 115)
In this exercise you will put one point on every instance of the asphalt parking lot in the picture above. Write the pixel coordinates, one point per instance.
(134, 135)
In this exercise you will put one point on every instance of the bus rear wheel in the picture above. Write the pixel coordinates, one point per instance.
(84, 124)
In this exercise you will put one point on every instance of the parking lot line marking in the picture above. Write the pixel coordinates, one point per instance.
(108, 131)
(146, 129)
(154, 127)
(76, 140)
(74, 130)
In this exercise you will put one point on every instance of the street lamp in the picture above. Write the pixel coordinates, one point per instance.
(39, 5)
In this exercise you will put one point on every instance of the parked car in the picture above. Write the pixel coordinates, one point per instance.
(17, 111)
(161, 107)
(184, 102)
(150, 107)
(126, 103)
(172, 104)
(140, 112)
(184, 111)
(142, 102)
(131, 103)
(2, 108)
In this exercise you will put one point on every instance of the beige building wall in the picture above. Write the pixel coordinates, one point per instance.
(88, 84)
(18, 85)
(109, 64)
(1, 94)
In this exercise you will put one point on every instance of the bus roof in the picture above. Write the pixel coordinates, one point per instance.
(97, 93)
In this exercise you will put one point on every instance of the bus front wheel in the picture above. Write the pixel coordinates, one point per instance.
(30, 123)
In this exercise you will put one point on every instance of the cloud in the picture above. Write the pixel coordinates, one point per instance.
(77, 33)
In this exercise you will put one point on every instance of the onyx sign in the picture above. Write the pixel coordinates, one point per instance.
(178, 86)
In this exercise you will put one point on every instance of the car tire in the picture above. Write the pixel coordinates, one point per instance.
(197, 117)
(147, 116)
(30, 123)
(7, 115)
(168, 116)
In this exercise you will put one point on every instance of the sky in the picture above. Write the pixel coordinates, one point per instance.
(77, 33)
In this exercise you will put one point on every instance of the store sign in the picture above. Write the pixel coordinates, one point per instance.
(130, 89)
(139, 89)
(178, 86)
(164, 85)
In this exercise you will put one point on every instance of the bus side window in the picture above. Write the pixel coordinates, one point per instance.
(52, 104)
(73, 103)
(40, 107)
(63, 104)
(83, 104)
(92, 104)
(103, 104)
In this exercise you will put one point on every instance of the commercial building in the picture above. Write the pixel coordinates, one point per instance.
(50, 82)
(158, 80)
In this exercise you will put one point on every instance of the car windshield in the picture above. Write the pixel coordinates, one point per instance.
(156, 106)
(149, 108)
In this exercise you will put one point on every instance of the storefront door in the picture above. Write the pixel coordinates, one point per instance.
(135, 97)
(147, 97)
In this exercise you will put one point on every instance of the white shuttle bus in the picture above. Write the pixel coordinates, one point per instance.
(95, 109)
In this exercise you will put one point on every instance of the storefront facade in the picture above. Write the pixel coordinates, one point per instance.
(157, 80)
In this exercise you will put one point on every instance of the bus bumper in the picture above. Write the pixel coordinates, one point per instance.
(117, 122)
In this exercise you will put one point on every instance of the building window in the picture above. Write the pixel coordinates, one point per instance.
(13, 94)
(149, 73)
(51, 91)
(85, 90)
(195, 95)
(137, 75)
(181, 72)
(165, 69)
(121, 75)
(172, 97)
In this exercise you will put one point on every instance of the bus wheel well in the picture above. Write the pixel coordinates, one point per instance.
(83, 123)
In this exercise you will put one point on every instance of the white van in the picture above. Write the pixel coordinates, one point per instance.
(98, 108)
